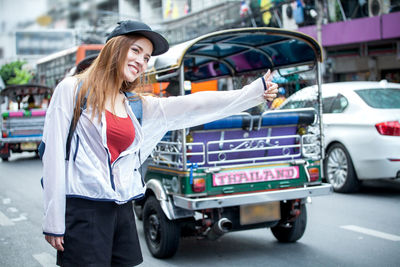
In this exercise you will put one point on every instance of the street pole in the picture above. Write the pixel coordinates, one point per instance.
(320, 16)
(320, 12)
(253, 22)
(320, 71)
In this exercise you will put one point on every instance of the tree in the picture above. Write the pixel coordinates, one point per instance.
(12, 73)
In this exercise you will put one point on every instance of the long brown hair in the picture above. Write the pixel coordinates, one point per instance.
(105, 76)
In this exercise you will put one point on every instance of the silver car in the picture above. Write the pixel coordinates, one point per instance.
(361, 128)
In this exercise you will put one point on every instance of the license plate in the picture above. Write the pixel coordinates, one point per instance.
(28, 146)
(259, 213)
(255, 175)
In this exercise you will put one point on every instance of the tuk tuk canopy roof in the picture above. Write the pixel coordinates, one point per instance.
(237, 51)
(22, 90)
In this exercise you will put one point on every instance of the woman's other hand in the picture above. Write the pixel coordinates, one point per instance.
(272, 88)
(55, 241)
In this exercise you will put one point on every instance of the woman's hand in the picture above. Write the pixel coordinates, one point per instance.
(272, 88)
(55, 241)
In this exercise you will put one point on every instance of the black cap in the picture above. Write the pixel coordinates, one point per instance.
(126, 27)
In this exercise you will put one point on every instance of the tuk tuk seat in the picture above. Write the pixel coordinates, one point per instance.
(269, 118)
(273, 137)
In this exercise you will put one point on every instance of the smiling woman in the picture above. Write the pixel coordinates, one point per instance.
(87, 198)
(137, 59)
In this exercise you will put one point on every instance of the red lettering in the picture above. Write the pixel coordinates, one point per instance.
(231, 178)
(268, 175)
(255, 176)
(222, 179)
(280, 173)
(243, 177)
(258, 176)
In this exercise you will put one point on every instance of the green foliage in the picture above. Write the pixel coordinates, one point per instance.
(7, 71)
(21, 77)
(12, 73)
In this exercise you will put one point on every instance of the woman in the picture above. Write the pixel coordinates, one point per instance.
(87, 199)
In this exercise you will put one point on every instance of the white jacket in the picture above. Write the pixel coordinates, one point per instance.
(88, 174)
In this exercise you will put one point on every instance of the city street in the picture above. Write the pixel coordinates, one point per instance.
(241, 106)
(360, 229)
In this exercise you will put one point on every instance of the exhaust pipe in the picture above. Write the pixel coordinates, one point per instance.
(219, 228)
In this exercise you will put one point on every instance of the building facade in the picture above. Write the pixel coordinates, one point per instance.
(361, 38)
(362, 42)
(15, 16)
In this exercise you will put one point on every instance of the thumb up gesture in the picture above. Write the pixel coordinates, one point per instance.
(271, 90)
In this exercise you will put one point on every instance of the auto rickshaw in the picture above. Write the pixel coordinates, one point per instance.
(256, 169)
(22, 119)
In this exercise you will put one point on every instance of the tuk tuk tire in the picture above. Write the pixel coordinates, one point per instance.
(291, 231)
(161, 234)
(4, 158)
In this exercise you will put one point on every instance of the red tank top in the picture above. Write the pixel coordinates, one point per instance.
(120, 134)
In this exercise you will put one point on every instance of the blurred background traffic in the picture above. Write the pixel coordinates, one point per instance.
(360, 37)
(43, 41)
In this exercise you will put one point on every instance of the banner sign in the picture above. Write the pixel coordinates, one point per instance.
(256, 175)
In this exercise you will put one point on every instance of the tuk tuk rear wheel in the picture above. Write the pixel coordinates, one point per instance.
(161, 234)
(291, 231)
(4, 158)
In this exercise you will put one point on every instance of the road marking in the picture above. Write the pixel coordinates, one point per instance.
(371, 232)
(6, 201)
(45, 259)
(12, 209)
(4, 220)
(22, 217)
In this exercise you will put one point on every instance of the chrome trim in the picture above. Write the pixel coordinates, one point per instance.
(171, 211)
(163, 152)
(21, 139)
(321, 123)
(251, 198)
(166, 76)
(172, 153)
(157, 188)
(183, 149)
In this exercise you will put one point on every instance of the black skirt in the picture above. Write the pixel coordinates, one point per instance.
(99, 233)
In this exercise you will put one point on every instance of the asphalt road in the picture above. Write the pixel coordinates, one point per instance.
(360, 229)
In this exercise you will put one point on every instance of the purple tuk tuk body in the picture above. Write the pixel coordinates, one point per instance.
(267, 144)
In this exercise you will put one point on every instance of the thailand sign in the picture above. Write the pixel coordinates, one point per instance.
(256, 175)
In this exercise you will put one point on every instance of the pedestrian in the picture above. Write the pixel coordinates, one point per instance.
(88, 213)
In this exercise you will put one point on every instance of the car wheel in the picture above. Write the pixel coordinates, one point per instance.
(161, 234)
(291, 231)
(339, 170)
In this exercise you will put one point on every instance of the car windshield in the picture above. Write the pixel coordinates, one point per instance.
(387, 98)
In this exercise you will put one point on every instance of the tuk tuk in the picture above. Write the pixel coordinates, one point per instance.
(256, 169)
(22, 117)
